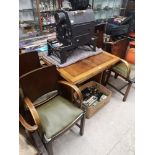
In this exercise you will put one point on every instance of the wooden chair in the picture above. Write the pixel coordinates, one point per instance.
(51, 113)
(34, 137)
(127, 72)
(117, 47)
(27, 62)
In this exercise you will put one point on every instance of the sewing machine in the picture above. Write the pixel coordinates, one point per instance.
(73, 29)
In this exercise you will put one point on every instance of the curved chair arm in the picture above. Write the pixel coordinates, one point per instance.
(26, 125)
(33, 111)
(75, 88)
(127, 66)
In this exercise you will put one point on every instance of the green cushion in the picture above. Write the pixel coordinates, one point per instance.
(42, 99)
(57, 114)
(132, 73)
(122, 70)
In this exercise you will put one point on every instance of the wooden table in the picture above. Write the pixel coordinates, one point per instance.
(88, 68)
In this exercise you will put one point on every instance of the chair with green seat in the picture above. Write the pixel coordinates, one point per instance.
(127, 73)
(27, 62)
(51, 112)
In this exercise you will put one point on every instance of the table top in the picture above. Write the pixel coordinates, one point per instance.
(87, 68)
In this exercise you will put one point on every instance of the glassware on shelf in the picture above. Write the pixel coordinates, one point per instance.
(105, 9)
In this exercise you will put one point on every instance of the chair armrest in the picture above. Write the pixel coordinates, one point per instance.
(27, 125)
(33, 111)
(75, 88)
(127, 66)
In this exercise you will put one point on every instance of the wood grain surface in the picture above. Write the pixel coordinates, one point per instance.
(87, 68)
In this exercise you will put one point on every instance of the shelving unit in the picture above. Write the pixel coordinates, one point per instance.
(37, 14)
(105, 9)
(45, 11)
(28, 23)
(23, 10)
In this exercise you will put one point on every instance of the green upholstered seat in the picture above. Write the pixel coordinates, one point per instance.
(56, 114)
(45, 97)
(132, 73)
(122, 70)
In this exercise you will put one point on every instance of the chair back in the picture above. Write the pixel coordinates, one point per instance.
(28, 62)
(39, 82)
(120, 47)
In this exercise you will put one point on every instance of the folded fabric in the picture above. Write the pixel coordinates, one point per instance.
(76, 55)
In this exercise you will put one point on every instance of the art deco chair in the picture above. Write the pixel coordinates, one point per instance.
(117, 47)
(27, 62)
(126, 72)
(51, 112)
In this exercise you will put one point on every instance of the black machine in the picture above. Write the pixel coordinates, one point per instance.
(73, 29)
(79, 4)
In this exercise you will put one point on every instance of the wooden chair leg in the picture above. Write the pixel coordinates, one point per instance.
(49, 147)
(82, 124)
(108, 76)
(116, 75)
(39, 144)
(127, 92)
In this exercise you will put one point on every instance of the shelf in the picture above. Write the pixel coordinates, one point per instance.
(98, 10)
(122, 8)
(52, 24)
(23, 10)
(50, 11)
(28, 21)
(107, 9)
(39, 12)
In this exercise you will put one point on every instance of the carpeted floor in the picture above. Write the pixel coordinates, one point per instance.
(109, 132)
